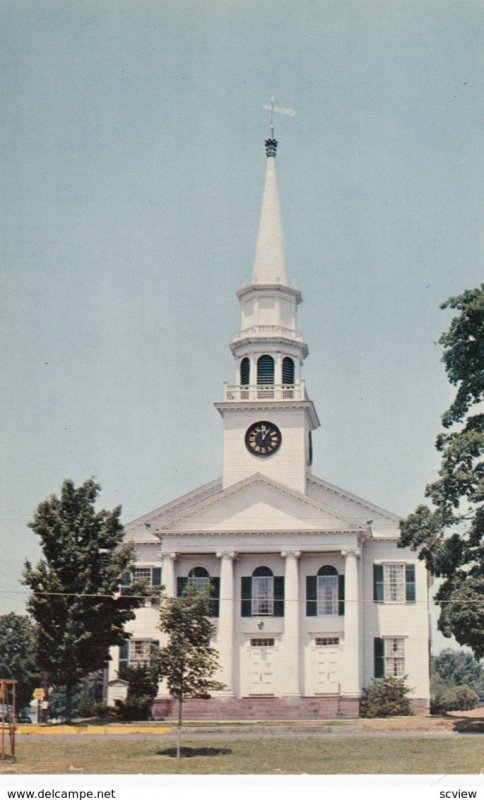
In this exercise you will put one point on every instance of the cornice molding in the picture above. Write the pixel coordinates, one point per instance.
(258, 533)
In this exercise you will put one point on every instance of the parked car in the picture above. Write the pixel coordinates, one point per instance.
(23, 719)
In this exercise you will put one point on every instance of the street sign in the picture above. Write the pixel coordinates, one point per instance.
(39, 694)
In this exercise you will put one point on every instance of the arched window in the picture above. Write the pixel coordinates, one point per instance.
(262, 592)
(265, 370)
(287, 370)
(199, 578)
(327, 591)
(245, 372)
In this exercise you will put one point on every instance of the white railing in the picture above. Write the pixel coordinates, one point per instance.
(285, 391)
(268, 330)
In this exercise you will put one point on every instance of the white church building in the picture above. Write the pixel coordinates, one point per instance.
(312, 599)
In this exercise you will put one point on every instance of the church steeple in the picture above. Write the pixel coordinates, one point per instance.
(268, 417)
(270, 259)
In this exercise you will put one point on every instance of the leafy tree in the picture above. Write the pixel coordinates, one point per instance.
(187, 661)
(450, 535)
(17, 656)
(385, 698)
(458, 668)
(76, 600)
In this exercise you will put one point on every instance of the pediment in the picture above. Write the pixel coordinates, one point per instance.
(256, 503)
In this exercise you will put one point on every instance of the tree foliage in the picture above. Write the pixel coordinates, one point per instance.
(385, 698)
(142, 690)
(18, 656)
(75, 587)
(458, 668)
(450, 533)
(187, 661)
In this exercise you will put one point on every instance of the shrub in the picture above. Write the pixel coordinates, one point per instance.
(386, 698)
(142, 689)
(457, 698)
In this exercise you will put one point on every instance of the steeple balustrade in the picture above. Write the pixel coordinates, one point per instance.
(265, 391)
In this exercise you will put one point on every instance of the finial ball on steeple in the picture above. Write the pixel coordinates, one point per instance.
(271, 148)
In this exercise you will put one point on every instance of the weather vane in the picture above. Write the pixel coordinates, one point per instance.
(289, 112)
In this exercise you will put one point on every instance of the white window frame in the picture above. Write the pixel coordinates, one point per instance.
(201, 584)
(394, 656)
(262, 595)
(143, 657)
(327, 595)
(394, 583)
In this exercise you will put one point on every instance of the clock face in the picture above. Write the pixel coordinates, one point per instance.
(263, 438)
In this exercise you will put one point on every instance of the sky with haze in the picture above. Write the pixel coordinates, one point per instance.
(132, 166)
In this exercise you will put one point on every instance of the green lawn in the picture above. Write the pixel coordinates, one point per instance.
(258, 756)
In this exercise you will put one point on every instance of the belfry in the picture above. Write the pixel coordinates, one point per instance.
(312, 599)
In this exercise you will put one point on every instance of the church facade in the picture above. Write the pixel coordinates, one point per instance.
(312, 599)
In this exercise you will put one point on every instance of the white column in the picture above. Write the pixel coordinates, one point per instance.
(168, 577)
(291, 643)
(225, 637)
(351, 671)
(278, 369)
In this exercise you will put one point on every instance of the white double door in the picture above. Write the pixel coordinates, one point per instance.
(326, 668)
(261, 667)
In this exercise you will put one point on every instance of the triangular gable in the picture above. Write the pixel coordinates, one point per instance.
(256, 503)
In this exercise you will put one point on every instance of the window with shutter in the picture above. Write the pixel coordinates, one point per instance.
(325, 593)
(394, 583)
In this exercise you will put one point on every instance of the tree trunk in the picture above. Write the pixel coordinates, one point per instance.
(69, 689)
(180, 715)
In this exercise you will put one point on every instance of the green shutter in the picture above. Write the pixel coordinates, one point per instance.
(311, 596)
(410, 583)
(379, 653)
(214, 596)
(341, 595)
(246, 597)
(181, 585)
(279, 596)
(123, 658)
(156, 576)
(154, 646)
(126, 583)
(378, 583)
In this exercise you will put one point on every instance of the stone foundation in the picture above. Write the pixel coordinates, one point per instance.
(253, 708)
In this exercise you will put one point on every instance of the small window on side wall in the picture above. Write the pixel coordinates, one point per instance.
(394, 583)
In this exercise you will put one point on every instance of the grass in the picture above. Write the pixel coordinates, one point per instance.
(357, 755)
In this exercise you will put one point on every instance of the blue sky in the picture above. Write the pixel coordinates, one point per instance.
(132, 166)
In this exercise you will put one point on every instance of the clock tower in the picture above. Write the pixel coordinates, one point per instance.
(268, 417)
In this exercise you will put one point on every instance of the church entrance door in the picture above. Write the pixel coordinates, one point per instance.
(327, 654)
(261, 666)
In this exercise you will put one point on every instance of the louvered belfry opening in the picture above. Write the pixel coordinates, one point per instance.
(265, 370)
(287, 371)
(245, 372)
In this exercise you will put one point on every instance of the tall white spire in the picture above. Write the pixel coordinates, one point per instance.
(270, 260)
